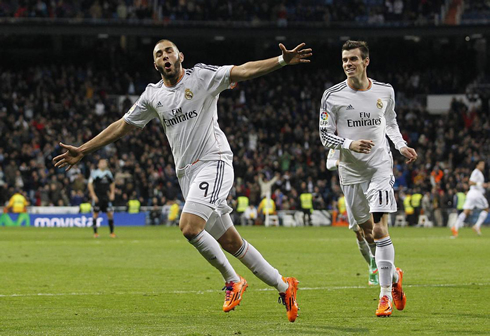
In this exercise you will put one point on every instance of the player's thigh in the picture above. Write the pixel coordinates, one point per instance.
(381, 195)
(356, 203)
(225, 233)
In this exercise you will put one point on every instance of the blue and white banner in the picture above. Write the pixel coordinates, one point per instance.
(78, 220)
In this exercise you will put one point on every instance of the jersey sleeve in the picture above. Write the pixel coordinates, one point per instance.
(332, 159)
(215, 78)
(392, 129)
(474, 177)
(142, 112)
(328, 125)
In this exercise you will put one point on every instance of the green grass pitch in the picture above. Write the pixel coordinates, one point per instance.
(150, 281)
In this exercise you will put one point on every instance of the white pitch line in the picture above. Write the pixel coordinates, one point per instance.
(331, 288)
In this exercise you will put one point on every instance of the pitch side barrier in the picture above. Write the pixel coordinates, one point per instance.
(70, 217)
(69, 220)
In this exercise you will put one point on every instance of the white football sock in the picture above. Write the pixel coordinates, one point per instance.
(481, 218)
(385, 259)
(212, 252)
(460, 221)
(364, 249)
(252, 258)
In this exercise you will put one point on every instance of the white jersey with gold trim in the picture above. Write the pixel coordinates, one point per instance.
(356, 115)
(188, 114)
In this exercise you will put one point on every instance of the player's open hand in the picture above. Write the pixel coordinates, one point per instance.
(69, 158)
(361, 146)
(297, 55)
(409, 153)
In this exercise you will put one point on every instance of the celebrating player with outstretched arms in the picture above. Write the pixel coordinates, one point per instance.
(185, 103)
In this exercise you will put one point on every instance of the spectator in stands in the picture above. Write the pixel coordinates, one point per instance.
(249, 215)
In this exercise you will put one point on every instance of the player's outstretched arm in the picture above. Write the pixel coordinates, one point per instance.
(73, 154)
(256, 69)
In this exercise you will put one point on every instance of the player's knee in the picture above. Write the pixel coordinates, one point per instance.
(231, 244)
(188, 230)
(377, 216)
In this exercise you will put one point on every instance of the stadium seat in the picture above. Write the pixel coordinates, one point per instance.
(273, 221)
(288, 221)
(424, 222)
(400, 221)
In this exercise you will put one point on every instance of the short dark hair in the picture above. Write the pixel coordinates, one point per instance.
(362, 45)
(480, 161)
(163, 40)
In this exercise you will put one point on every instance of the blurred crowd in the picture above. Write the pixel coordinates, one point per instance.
(254, 12)
(271, 124)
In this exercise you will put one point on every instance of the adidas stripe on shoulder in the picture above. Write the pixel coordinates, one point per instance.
(213, 68)
(336, 88)
(156, 85)
(381, 83)
(333, 89)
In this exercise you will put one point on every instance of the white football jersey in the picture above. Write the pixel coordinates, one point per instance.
(356, 115)
(188, 114)
(477, 177)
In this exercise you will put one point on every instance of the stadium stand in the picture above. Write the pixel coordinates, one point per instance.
(271, 123)
(280, 13)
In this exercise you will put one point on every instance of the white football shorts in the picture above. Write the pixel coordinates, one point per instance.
(364, 198)
(475, 199)
(205, 186)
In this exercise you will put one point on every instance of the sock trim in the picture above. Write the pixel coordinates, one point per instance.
(240, 253)
(196, 238)
(384, 243)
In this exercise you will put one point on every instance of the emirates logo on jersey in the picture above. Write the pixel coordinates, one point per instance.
(188, 94)
(379, 104)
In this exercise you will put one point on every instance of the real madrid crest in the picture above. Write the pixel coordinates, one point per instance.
(379, 104)
(188, 94)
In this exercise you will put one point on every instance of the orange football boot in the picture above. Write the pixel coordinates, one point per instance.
(113, 235)
(384, 307)
(399, 297)
(455, 232)
(288, 299)
(96, 235)
(234, 293)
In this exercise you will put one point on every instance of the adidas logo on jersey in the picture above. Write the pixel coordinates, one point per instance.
(350, 107)
(159, 104)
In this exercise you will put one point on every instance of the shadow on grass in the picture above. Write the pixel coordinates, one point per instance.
(314, 330)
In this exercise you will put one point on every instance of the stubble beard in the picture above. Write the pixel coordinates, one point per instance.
(170, 75)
